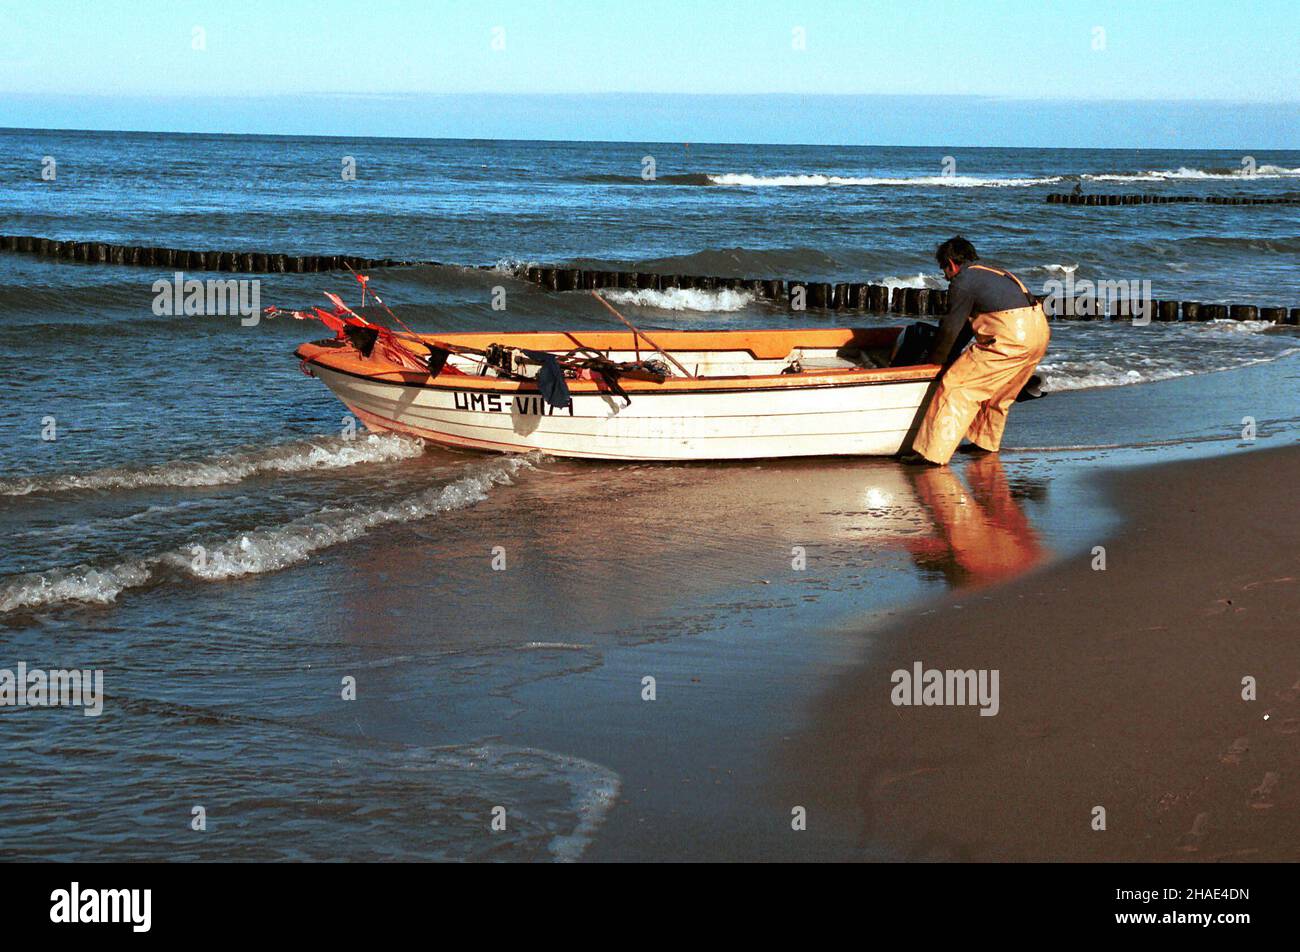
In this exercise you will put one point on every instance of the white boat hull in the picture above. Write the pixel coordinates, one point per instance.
(861, 418)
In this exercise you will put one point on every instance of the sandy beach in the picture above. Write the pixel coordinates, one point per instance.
(1120, 688)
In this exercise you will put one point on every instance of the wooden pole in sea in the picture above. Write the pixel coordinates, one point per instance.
(877, 298)
(911, 301)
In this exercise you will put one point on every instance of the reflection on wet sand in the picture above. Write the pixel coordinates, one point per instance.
(982, 535)
(599, 549)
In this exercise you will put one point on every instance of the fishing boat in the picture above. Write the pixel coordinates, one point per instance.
(621, 395)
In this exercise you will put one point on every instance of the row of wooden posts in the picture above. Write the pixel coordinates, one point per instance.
(878, 298)
(250, 262)
(795, 295)
(1071, 199)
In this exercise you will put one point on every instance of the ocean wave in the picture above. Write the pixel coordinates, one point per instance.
(936, 281)
(1085, 375)
(1127, 369)
(255, 552)
(919, 280)
(683, 299)
(1055, 268)
(84, 584)
(1184, 173)
(943, 181)
(742, 262)
(689, 178)
(228, 468)
(1281, 245)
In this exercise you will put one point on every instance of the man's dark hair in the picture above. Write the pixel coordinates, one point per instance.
(957, 250)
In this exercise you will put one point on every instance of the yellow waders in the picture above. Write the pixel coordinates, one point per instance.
(977, 391)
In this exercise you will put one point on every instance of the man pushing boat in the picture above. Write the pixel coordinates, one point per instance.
(978, 387)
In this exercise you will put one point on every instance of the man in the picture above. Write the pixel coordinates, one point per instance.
(975, 392)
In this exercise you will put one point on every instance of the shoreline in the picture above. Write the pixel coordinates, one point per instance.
(1120, 688)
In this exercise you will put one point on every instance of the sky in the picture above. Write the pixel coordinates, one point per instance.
(1194, 73)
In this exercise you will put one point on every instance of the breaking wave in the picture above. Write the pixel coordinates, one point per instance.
(227, 468)
(683, 299)
(1109, 355)
(1184, 173)
(255, 552)
(918, 280)
(942, 181)
(1084, 375)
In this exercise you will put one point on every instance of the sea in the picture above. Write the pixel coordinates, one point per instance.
(318, 643)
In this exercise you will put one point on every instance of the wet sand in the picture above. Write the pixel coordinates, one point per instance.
(1119, 689)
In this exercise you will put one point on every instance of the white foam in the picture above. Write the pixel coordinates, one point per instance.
(511, 266)
(1085, 374)
(270, 550)
(593, 789)
(323, 453)
(80, 584)
(936, 281)
(252, 553)
(683, 299)
(941, 181)
(1184, 173)
(918, 280)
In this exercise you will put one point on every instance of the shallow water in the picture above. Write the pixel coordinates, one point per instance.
(205, 528)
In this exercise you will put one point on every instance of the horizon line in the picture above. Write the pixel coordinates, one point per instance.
(533, 94)
(671, 142)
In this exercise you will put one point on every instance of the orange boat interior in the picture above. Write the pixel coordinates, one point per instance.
(739, 358)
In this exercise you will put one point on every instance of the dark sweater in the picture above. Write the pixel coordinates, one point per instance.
(973, 291)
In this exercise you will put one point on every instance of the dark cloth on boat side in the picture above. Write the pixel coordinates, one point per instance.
(550, 378)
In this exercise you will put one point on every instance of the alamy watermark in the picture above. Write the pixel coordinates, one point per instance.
(1086, 298)
(78, 904)
(38, 687)
(933, 687)
(216, 296)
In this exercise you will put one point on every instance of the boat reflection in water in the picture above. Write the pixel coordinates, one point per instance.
(603, 552)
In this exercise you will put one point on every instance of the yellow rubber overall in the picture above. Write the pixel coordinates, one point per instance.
(976, 392)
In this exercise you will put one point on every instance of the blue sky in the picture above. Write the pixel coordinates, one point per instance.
(279, 66)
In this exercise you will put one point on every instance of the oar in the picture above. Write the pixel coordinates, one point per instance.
(636, 333)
